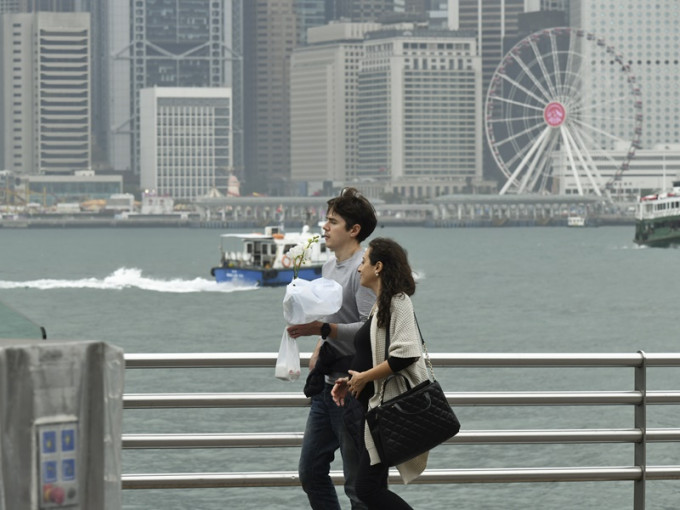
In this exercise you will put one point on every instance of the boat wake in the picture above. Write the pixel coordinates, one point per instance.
(127, 278)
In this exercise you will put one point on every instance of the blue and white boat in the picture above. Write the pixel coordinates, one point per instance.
(261, 258)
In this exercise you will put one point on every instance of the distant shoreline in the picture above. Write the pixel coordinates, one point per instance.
(156, 222)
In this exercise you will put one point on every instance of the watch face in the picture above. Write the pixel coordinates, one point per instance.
(325, 330)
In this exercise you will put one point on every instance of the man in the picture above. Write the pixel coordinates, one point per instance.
(350, 219)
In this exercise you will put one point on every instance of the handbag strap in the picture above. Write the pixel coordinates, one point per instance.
(387, 347)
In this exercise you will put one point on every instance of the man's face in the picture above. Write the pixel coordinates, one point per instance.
(335, 231)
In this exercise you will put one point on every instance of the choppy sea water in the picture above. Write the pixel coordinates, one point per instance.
(479, 290)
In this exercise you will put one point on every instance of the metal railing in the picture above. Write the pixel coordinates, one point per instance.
(638, 435)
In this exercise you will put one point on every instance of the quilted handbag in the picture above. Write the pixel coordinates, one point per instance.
(413, 422)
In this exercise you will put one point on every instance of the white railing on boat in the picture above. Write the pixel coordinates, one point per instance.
(640, 398)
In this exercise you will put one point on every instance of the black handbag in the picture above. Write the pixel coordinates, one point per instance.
(413, 422)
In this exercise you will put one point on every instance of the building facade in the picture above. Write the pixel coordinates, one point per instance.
(46, 112)
(648, 38)
(9, 6)
(419, 107)
(186, 141)
(651, 170)
(388, 107)
(269, 36)
(154, 43)
(324, 104)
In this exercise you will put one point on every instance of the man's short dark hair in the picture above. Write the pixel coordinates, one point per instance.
(355, 209)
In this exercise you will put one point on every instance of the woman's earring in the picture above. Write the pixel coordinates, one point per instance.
(377, 273)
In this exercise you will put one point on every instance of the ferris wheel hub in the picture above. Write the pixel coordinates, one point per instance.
(554, 114)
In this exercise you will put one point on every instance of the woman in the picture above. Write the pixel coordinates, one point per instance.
(385, 270)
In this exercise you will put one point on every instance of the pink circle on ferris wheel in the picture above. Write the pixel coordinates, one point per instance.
(554, 114)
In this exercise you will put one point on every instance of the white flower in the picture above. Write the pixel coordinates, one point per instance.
(296, 251)
(301, 253)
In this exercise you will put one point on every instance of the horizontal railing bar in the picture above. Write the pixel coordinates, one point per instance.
(268, 360)
(434, 476)
(294, 439)
(235, 440)
(241, 400)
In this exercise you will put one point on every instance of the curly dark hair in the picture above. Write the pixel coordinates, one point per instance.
(355, 209)
(396, 276)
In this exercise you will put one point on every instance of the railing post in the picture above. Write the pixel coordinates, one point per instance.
(641, 424)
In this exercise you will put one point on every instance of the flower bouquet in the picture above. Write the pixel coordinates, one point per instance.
(305, 301)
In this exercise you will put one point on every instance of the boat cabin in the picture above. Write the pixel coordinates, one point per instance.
(266, 250)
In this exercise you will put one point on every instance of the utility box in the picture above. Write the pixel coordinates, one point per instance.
(61, 414)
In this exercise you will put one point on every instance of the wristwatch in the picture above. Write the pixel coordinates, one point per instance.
(325, 330)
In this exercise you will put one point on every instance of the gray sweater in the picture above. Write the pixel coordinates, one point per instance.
(357, 302)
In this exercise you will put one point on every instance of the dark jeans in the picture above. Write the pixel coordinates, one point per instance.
(324, 434)
(371, 486)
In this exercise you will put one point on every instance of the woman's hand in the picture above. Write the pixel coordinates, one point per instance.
(357, 382)
(339, 391)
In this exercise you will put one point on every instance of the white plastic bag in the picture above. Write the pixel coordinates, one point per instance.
(307, 301)
(288, 362)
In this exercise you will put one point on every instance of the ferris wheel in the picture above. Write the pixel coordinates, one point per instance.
(563, 106)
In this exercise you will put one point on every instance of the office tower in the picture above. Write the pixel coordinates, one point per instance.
(269, 34)
(419, 107)
(46, 114)
(646, 36)
(364, 10)
(323, 91)
(308, 14)
(186, 135)
(492, 20)
(156, 43)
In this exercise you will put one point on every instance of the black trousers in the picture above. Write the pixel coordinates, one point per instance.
(371, 483)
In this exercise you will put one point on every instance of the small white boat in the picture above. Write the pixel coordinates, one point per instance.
(576, 221)
(261, 258)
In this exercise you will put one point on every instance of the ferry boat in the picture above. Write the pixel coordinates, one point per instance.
(260, 259)
(657, 218)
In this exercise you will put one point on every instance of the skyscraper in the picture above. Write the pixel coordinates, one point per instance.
(323, 94)
(647, 36)
(269, 36)
(419, 107)
(150, 43)
(46, 121)
(309, 13)
(492, 20)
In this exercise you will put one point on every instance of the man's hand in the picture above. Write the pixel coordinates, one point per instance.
(309, 329)
(339, 391)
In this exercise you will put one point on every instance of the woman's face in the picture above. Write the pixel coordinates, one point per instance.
(367, 271)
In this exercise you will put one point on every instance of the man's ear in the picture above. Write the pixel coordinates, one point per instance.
(354, 231)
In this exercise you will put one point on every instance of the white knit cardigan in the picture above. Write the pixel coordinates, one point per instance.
(405, 342)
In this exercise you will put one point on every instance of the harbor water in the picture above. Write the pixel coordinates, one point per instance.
(479, 290)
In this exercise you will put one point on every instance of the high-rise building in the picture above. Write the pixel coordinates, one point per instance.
(46, 112)
(647, 36)
(398, 107)
(269, 36)
(493, 21)
(419, 107)
(323, 95)
(186, 135)
(365, 10)
(309, 13)
(147, 43)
